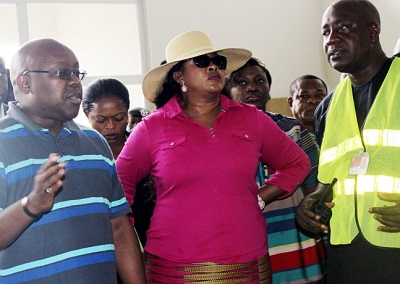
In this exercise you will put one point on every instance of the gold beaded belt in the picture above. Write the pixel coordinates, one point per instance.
(162, 271)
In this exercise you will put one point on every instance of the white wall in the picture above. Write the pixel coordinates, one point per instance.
(284, 34)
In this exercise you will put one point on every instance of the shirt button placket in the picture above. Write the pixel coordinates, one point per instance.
(212, 133)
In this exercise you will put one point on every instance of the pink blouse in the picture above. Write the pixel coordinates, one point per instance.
(206, 208)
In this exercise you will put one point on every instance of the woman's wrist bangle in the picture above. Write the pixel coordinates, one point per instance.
(24, 202)
(261, 202)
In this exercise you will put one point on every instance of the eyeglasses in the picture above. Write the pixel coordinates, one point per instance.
(63, 74)
(204, 61)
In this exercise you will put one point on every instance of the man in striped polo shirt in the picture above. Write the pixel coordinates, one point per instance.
(63, 214)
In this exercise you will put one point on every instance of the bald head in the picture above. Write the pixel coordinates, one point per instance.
(363, 7)
(33, 55)
(47, 82)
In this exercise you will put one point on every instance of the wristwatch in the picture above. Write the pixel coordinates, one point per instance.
(24, 202)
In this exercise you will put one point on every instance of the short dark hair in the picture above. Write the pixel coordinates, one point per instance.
(293, 85)
(104, 88)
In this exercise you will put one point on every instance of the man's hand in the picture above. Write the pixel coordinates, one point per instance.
(13, 219)
(48, 181)
(309, 220)
(388, 216)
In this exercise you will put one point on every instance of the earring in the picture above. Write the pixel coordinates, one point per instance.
(184, 87)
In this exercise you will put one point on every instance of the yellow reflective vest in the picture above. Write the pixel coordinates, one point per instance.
(342, 140)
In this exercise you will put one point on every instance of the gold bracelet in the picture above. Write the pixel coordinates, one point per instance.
(24, 202)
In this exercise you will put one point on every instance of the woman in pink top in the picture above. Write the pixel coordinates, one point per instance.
(203, 150)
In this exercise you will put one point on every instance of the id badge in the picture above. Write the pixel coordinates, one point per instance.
(359, 164)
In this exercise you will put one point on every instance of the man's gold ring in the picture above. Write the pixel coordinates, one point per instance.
(49, 190)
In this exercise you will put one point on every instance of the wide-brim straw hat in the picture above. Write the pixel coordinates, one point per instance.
(185, 46)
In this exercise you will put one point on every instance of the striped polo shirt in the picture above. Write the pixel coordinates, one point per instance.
(73, 243)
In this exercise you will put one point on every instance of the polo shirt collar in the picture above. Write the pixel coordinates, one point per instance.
(18, 115)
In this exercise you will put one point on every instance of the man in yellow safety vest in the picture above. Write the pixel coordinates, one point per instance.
(358, 129)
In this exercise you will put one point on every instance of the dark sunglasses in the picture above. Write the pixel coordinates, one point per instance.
(204, 61)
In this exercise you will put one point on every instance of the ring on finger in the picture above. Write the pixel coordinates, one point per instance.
(49, 190)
